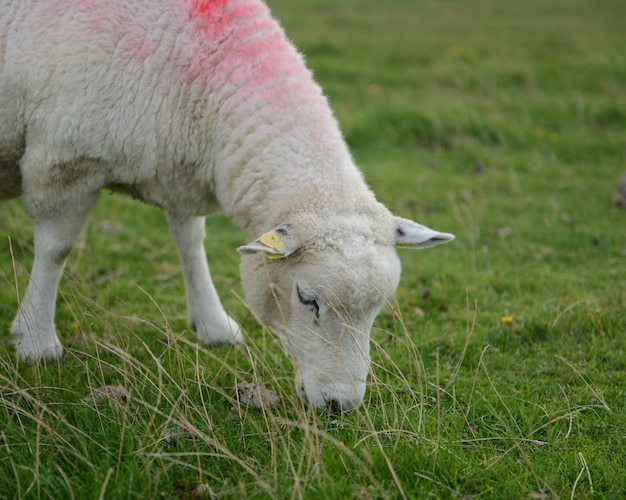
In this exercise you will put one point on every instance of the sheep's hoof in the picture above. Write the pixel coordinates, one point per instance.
(32, 349)
(226, 333)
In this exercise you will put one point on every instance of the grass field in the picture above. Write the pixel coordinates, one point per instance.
(501, 370)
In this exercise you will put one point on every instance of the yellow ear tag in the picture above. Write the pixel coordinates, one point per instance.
(272, 241)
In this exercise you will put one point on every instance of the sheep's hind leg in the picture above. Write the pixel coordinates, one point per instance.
(205, 311)
(33, 327)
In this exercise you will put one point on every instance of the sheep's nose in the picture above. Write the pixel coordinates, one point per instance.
(333, 406)
(335, 398)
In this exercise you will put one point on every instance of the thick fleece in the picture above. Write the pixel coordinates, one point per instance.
(194, 106)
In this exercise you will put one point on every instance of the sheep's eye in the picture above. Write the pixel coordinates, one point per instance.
(309, 302)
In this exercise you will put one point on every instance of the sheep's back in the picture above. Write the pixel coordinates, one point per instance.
(205, 94)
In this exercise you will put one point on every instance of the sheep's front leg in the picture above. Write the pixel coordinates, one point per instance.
(205, 311)
(33, 327)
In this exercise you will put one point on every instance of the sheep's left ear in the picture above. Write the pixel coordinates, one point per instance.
(278, 243)
(409, 234)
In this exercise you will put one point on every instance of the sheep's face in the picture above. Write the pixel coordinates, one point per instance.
(322, 306)
(321, 299)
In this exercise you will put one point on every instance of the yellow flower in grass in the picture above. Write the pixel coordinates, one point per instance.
(507, 320)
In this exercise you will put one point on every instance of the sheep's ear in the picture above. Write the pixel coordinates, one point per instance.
(278, 243)
(409, 234)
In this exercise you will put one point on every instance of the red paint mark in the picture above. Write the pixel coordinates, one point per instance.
(241, 52)
(216, 19)
(209, 8)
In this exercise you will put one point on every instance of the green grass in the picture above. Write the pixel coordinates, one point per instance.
(502, 122)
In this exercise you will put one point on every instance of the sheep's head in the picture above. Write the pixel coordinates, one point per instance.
(319, 284)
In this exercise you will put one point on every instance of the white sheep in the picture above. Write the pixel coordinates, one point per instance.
(195, 105)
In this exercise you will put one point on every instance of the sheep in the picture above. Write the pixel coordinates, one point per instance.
(195, 106)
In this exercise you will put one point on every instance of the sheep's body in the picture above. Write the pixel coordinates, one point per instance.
(192, 105)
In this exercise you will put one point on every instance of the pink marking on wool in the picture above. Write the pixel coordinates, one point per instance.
(216, 19)
(258, 65)
(247, 56)
(251, 55)
(209, 8)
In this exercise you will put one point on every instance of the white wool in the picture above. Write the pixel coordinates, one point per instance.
(194, 106)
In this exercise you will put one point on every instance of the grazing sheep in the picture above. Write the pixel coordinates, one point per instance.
(191, 105)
